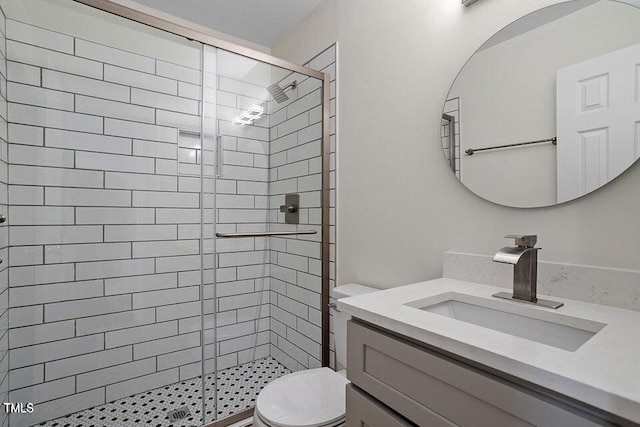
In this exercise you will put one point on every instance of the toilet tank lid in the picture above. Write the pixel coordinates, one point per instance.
(350, 290)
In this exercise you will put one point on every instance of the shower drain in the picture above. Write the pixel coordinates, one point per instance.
(178, 414)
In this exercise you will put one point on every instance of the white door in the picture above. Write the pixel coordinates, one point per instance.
(598, 121)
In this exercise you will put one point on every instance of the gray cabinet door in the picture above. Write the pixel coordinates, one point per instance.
(363, 411)
(418, 383)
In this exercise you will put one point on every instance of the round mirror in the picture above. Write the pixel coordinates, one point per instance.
(548, 109)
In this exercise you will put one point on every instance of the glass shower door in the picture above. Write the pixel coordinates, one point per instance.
(267, 297)
(127, 150)
(105, 218)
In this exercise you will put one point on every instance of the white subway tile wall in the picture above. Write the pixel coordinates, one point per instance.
(296, 167)
(34, 335)
(102, 168)
(106, 225)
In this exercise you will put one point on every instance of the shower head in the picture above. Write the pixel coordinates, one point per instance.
(278, 93)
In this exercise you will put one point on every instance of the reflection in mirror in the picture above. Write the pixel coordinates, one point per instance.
(548, 109)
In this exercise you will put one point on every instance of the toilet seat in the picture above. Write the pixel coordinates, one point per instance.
(312, 398)
(258, 422)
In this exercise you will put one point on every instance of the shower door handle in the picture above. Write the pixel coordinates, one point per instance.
(264, 234)
(220, 156)
(290, 208)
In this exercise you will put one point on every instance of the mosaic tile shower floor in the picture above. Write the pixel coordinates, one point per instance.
(238, 389)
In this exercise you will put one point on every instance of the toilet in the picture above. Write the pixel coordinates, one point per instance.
(314, 397)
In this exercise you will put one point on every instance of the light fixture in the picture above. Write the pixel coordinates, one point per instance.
(242, 120)
(254, 112)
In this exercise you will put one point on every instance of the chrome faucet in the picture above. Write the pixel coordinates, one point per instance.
(524, 257)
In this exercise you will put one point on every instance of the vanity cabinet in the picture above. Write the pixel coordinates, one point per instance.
(392, 377)
(366, 411)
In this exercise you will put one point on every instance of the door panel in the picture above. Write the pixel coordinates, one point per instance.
(598, 121)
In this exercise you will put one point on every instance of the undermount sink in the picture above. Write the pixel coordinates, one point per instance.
(560, 331)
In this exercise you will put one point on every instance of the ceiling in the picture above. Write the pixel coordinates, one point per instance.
(542, 17)
(260, 21)
(535, 20)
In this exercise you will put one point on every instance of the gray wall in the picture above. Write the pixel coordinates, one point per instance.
(395, 71)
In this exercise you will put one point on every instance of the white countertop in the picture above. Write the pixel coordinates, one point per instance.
(604, 372)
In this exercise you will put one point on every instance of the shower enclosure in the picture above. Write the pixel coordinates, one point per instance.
(151, 273)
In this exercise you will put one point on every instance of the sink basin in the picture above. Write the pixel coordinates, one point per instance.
(560, 331)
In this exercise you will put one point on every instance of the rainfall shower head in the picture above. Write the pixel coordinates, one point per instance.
(278, 93)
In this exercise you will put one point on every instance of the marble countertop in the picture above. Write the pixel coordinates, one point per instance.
(604, 372)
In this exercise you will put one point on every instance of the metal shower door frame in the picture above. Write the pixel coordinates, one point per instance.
(191, 34)
(113, 8)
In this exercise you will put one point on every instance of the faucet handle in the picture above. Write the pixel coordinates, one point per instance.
(526, 241)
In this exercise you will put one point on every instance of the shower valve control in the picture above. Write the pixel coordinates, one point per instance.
(290, 208)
